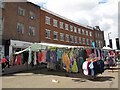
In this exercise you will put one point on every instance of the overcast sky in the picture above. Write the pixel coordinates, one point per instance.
(103, 13)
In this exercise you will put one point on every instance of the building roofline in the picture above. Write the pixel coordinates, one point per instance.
(33, 4)
(86, 26)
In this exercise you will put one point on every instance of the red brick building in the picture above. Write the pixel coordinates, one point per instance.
(25, 23)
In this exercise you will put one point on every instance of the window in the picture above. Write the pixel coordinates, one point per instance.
(61, 36)
(87, 41)
(61, 25)
(96, 35)
(76, 41)
(90, 33)
(83, 32)
(79, 30)
(71, 39)
(66, 26)
(47, 20)
(54, 23)
(71, 28)
(20, 28)
(91, 42)
(55, 35)
(87, 33)
(83, 40)
(21, 11)
(99, 44)
(47, 34)
(75, 29)
(80, 40)
(67, 38)
(32, 15)
(31, 31)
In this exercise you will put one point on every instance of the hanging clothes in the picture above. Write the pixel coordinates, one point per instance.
(80, 53)
(18, 60)
(74, 67)
(35, 58)
(30, 57)
(54, 56)
(71, 57)
(89, 70)
(91, 67)
(88, 52)
(48, 56)
(39, 56)
(44, 56)
(84, 53)
(84, 67)
(59, 54)
(66, 61)
(11, 59)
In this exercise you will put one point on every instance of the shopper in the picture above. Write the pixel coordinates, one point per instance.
(3, 62)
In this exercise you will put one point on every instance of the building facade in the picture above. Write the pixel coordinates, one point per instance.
(20, 25)
(25, 23)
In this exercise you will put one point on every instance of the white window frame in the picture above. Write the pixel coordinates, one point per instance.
(86, 33)
(55, 33)
(31, 31)
(47, 33)
(61, 36)
(55, 23)
(20, 28)
(79, 30)
(47, 20)
(66, 27)
(72, 39)
(21, 11)
(80, 41)
(75, 29)
(83, 32)
(71, 28)
(83, 40)
(61, 25)
(76, 39)
(87, 41)
(67, 38)
(91, 34)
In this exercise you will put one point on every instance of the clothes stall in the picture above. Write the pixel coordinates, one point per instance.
(72, 59)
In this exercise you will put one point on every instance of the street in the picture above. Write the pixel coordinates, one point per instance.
(42, 78)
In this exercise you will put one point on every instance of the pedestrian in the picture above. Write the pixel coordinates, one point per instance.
(3, 62)
(8, 63)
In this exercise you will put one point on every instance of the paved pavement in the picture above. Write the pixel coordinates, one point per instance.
(41, 78)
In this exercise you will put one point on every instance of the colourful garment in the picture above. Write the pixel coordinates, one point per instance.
(44, 56)
(91, 67)
(66, 61)
(48, 56)
(39, 57)
(18, 60)
(3, 60)
(59, 54)
(54, 57)
(88, 52)
(74, 66)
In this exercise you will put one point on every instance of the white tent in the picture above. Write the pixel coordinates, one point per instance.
(108, 48)
(38, 46)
